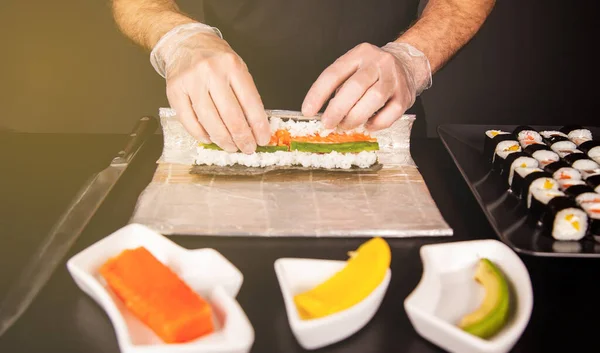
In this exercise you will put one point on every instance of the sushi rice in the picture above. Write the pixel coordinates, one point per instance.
(543, 195)
(545, 157)
(542, 184)
(529, 137)
(570, 224)
(567, 173)
(586, 167)
(580, 136)
(549, 133)
(563, 148)
(588, 197)
(494, 133)
(505, 148)
(594, 153)
(330, 160)
(565, 184)
(521, 162)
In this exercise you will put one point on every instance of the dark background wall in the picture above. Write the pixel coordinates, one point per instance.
(66, 68)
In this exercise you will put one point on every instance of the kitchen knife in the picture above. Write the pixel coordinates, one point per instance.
(68, 228)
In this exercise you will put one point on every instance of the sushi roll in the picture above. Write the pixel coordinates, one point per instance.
(588, 145)
(587, 197)
(575, 156)
(576, 190)
(554, 166)
(580, 136)
(545, 157)
(503, 149)
(492, 139)
(594, 152)
(514, 160)
(566, 173)
(546, 134)
(522, 128)
(556, 138)
(593, 212)
(563, 148)
(532, 148)
(538, 202)
(586, 167)
(527, 137)
(544, 183)
(519, 176)
(563, 219)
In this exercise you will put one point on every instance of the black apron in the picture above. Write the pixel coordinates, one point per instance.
(288, 43)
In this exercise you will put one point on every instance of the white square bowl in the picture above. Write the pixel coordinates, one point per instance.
(298, 275)
(448, 290)
(206, 271)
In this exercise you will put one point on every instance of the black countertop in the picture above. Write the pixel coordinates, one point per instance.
(41, 172)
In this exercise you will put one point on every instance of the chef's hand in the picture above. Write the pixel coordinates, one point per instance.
(372, 85)
(211, 90)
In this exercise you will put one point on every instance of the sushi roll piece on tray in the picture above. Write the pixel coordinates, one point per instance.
(519, 176)
(586, 167)
(563, 148)
(492, 139)
(593, 212)
(544, 183)
(588, 145)
(545, 157)
(539, 202)
(594, 152)
(503, 149)
(575, 156)
(564, 220)
(579, 135)
(548, 134)
(587, 197)
(514, 160)
(566, 173)
(526, 136)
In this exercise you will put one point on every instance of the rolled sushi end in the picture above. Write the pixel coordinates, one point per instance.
(594, 152)
(566, 183)
(579, 136)
(529, 137)
(585, 164)
(549, 133)
(573, 157)
(587, 198)
(518, 179)
(570, 127)
(563, 148)
(587, 146)
(541, 184)
(503, 149)
(493, 133)
(567, 173)
(570, 224)
(554, 166)
(545, 157)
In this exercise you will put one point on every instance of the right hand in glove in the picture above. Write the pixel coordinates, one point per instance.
(211, 90)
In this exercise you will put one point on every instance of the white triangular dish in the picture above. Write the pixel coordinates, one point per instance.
(204, 270)
(298, 275)
(447, 291)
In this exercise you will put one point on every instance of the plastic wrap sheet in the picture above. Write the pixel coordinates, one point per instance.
(393, 201)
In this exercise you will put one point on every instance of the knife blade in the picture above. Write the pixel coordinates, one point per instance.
(69, 226)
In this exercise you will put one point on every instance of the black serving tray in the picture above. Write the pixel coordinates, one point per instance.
(506, 213)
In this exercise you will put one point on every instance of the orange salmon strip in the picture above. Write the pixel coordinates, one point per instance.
(157, 296)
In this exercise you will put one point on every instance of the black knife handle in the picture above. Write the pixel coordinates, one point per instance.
(144, 128)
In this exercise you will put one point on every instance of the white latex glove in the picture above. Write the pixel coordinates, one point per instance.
(372, 85)
(210, 88)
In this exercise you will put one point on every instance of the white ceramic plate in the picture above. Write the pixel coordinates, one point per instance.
(204, 270)
(447, 291)
(296, 276)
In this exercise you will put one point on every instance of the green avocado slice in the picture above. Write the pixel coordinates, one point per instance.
(347, 147)
(493, 312)
(212, 146)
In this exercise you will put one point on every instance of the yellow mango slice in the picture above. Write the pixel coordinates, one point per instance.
(364, 271)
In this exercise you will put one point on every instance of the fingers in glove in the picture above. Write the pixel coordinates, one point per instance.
(211, 121)
(349, 94)
(232, 115)
(329, 80)
(181, 103)
(391, 112)
(373, 100)
(252, 107)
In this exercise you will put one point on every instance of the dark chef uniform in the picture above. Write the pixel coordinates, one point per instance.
(288, 43)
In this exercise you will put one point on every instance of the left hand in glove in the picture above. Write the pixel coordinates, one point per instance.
(373, 85)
